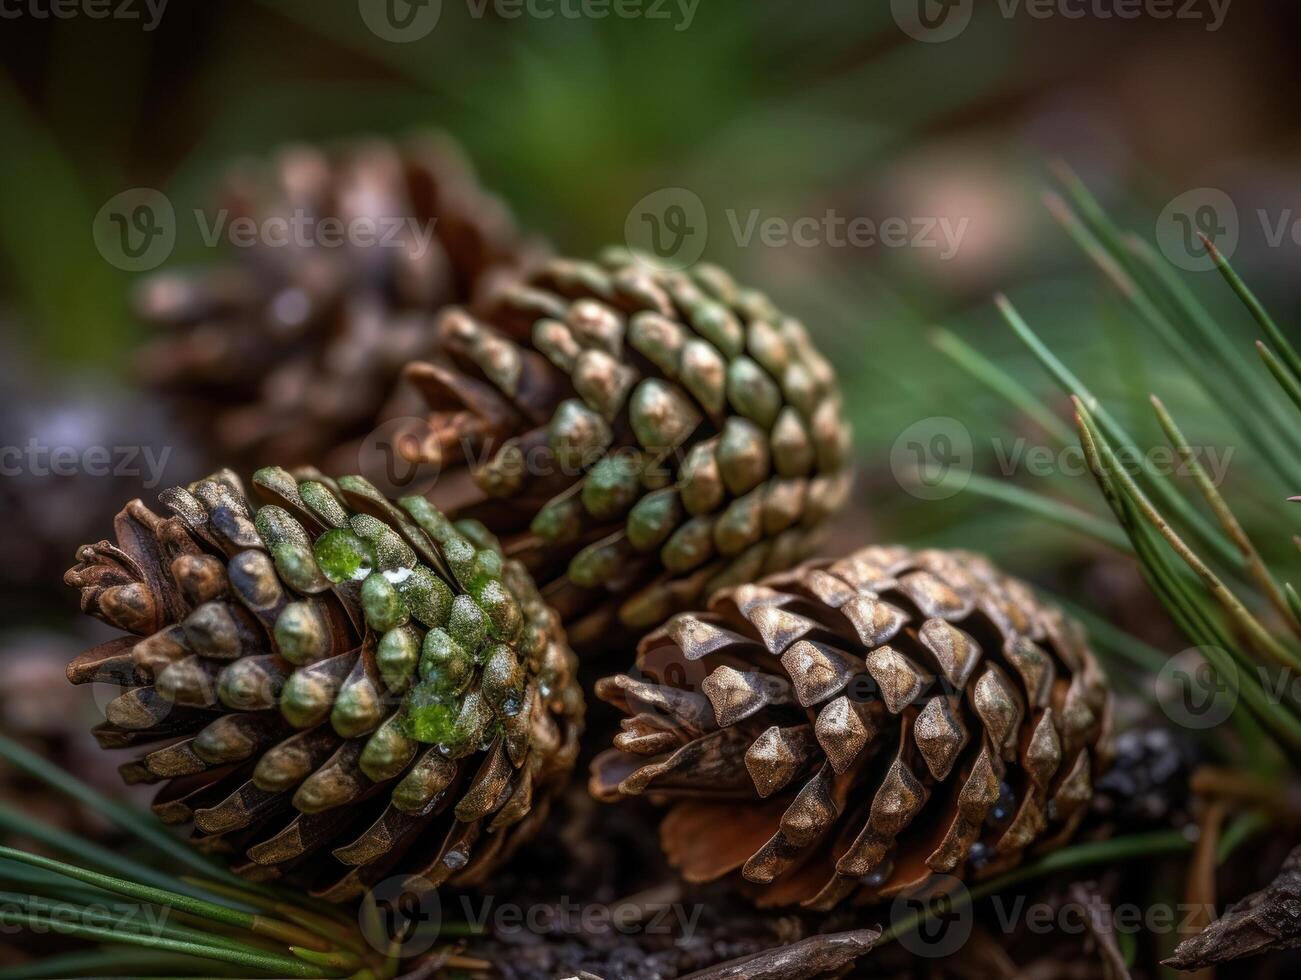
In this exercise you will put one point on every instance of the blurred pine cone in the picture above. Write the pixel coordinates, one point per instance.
(853, 727)
(330, 670)
(638, 436)
(290, 351)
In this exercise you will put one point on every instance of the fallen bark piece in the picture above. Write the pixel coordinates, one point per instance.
(1268, 921)
(810, 958)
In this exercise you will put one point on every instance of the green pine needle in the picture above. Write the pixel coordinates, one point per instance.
(1256, 309)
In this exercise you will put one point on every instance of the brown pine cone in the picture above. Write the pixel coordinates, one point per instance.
(853, 727)
(637, 436)
(294, 349)
(331, 684)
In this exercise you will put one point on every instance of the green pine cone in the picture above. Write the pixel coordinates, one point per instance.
(330, 671)
(638, 436)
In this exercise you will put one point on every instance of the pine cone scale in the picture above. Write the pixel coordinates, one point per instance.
(337, 667)
(882, 734)
(671, 433)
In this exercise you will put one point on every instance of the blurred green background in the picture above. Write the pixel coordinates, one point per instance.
(756, 107)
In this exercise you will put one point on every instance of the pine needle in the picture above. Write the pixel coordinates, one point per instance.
(1044, 506)
(258, 924)
(1071, 385)
(1130, 505)
(1256, 309)
(143, 827)
(1001, 382)
(1222, 593)
(1255, 564)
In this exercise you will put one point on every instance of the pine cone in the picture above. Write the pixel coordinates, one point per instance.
(330, 670)
(295, 349)
(638, 436)
(801, 727)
